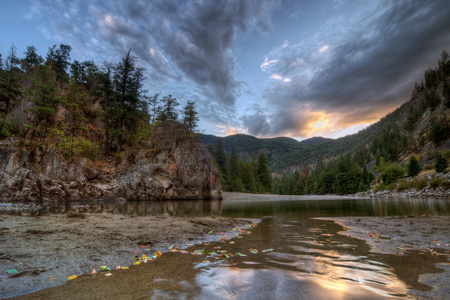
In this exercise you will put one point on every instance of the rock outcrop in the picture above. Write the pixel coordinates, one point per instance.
(173, 164)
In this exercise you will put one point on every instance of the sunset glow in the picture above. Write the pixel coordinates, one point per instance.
(245, 64)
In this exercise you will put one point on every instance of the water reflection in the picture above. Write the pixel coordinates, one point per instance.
(180, 208)
(245, 209)
(310, 261)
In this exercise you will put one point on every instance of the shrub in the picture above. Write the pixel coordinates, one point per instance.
(379, 187)
(392, 173)
(436, 182)
(419, 183)
(72, 147)
(428, 167)
(445, 184)
(402, 185)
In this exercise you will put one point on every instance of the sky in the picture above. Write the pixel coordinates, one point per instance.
(267, 68)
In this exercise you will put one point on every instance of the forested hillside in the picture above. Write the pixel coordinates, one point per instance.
(249, 146)
(82, 108)
(77, 130)
(418, 131)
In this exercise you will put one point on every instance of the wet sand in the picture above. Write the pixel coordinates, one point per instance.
(74, 244)
(403, 234)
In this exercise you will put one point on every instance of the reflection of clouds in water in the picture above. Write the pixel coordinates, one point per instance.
(309, 261)
(247, 283)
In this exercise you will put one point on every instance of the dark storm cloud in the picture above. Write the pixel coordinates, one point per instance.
(172, 38)
(373, 66)
(200, 39)
(256, 123)
(402, 43)
(197, 37)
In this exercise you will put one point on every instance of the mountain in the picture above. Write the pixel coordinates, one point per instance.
(249, 146)
(420, 127)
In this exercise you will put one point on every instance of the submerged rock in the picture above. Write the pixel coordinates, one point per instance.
(174, 164)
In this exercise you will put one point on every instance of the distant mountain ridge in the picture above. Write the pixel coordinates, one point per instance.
(248, 146)
(421, 127)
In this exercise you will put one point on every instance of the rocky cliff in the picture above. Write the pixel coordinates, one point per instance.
(172, 164)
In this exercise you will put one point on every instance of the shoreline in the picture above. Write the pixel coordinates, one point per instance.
(46, 250)
(76, 243)
(232, 196)
(399, 235)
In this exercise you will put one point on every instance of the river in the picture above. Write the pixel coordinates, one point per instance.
(294, 255)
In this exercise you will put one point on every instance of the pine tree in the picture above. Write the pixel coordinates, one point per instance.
(233, 170)
(128, 100)
(10, 87)
(168, 109)
(440, 164)
(58, 59)
(107, 97)
(190, 118)
(32, 59)
(413, 167)
(153, 107)
(44, 95)
(221, 157)
(263, 176)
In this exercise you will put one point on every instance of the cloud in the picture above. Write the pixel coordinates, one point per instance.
(362, 74)
(191, 40)
(200, 41)
(257, 124)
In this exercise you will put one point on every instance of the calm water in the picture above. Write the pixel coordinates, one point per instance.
(309, 259)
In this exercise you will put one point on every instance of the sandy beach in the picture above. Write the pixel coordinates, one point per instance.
(46, 250)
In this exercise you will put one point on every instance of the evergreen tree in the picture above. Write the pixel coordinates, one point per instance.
(263, 176)
(234, 176)
(153, 107)
(413, 167)
(439, 130)
(44, 95)
(77, 101)
(309, 184)
(211, 150)
(168, 109)
(32, 59)
(440, 164)
(106, 91)
(10, 88)
(58, 59)
(221, 157)
(190, 118)
(128, 103)
(248, 179)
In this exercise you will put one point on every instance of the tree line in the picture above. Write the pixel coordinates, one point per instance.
(237, 175)
(111, 92)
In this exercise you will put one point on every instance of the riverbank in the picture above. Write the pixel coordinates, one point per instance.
(46, 250)
(399, 235)
(271, 197)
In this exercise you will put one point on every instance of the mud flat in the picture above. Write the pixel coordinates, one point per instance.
(46, 250)
(399, 235)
